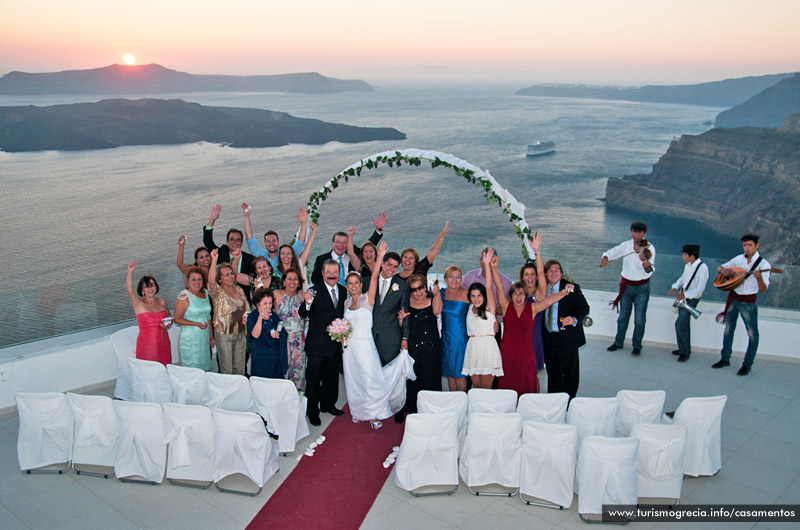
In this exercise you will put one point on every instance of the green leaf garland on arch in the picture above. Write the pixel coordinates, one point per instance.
(494, 193)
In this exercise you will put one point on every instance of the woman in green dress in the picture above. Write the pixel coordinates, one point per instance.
(193, 313)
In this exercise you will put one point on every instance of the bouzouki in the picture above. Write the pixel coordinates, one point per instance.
(731, 278)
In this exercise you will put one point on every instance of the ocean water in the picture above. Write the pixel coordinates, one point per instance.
(74, 220)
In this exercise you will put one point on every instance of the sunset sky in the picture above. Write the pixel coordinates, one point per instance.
(521, 41)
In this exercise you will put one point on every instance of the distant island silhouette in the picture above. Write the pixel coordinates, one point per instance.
(117, 122)
(156, 79)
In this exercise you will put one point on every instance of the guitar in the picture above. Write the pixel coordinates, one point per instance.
(733, 277)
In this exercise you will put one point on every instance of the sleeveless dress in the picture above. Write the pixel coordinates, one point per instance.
(373, 392)
(516, 348)
(294, 325)
(193, 343)
(482, 356)
(454, 335)
(425, 347)
(538, 341)
(153, 344)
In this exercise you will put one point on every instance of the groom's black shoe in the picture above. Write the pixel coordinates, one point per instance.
(314, 420)
(334, 411)
(400, 417)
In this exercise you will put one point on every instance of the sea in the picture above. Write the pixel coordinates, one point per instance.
(72, 221)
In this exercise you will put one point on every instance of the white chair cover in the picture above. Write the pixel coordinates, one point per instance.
(174, 338)
(606, 473)
(638, 406)
(548, 408)
(277, 401)
(593, 416)
(189, 385)
(228, 392)
(432, 402)
(190, 438)
(659, 464)
(703, 417)
(96, 430)
(502, 401)
(150, 381)
(141, 451)
(243, 446)
(493, 450)
(45, 429)
(429, 452)
(549, 456)
(124, 344)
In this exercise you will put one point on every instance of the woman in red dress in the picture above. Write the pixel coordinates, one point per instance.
(152, 315)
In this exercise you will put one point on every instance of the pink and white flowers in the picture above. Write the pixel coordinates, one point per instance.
(339, 330)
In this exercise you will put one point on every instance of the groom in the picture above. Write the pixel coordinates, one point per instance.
(322, 376)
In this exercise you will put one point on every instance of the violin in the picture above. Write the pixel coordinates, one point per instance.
(643, 249)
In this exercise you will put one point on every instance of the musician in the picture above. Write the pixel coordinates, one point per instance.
(742, 300)
(690, 287)
(634, 285)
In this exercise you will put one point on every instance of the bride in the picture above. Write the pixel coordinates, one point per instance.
(374, 393)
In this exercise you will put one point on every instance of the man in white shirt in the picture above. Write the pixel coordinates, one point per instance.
(689, 287)
(634, 286)
(742, 300)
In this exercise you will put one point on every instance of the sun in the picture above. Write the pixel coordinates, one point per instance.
(129, 58)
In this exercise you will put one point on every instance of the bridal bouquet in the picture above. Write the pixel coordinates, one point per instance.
(339, 330)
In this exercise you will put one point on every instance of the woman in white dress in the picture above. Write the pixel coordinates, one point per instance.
(374, 393)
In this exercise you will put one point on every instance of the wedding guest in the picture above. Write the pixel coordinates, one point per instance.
(271, 240)
(477, 276)
(455, 305)
(230, 305)
(531, 275)
(367, 256)
(193, 313)
(234, 241)
(202, 258)
(409, 258)
(288, 259)
(152, 316)
(263, 276)
(264, 334)
(482, 360)
(287, 304)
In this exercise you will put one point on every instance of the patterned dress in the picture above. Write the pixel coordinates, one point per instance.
(295, 342)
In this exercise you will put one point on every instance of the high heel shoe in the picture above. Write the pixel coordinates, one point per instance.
(375, 424)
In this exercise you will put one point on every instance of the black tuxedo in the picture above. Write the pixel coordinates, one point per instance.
(316, 273)
(322, 375)
(561, 348)
(224, 255)
(385, 329)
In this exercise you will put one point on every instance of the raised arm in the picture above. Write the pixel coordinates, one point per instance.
(486, 260)
(303, 258)
(182, 266)
(541, 281)
(129, 286)
(376, 271)
(208, 230)
(551, 299)
(437, 245)
(502, 298)
(351, 252)
(303, 218)
(248, 225)
(436, 302)
(241, 278)
(212, 270)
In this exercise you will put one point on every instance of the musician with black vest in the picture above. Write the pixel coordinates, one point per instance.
(742, 301)
(689, 287)
(638, 256)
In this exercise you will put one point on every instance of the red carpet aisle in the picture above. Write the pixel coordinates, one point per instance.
(336, 487)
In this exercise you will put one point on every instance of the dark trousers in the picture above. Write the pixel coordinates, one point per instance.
(683, 328)
(563, 365)
(322, 384)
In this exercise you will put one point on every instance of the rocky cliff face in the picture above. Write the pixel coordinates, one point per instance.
(733, 180)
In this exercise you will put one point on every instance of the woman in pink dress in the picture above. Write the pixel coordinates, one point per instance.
(152, 315)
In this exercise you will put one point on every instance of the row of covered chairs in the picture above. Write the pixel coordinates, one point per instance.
(192, 445)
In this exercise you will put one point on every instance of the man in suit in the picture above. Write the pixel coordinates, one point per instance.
(233, 242)
(562, 332)
(322, 377)
(339, 255)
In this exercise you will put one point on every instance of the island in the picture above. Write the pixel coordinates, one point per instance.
(117, 122)
(767, 109)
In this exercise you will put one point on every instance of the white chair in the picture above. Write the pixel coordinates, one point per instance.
(141, 451)
(189, 385)
(228, 392)
(124, 344)
(45, 432)
(638, 406)
(428, 455)
(593, 416)
(548, 408)
(149, 381)
(703, 417)
(432, 402)
(244, 447)
(606, 474)
(502, 401)
(96, 433)
(174, 332)
(659, 464)
(549, 456)
(277, 401)
(492, 453)
(190, 445)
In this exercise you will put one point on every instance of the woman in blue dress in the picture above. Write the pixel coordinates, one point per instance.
(193, 313)
(264, 330)
(454, 328)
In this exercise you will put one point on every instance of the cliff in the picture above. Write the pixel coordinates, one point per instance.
(733, 180)
(155, 79)
(767, 108)
(117, 122)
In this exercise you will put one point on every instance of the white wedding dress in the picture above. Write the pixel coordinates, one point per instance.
(373, 391)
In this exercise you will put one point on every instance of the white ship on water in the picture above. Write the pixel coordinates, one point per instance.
(541, 147)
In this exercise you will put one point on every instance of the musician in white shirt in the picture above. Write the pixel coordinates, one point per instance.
(742, 300)
(689, 287)
(634, 286)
